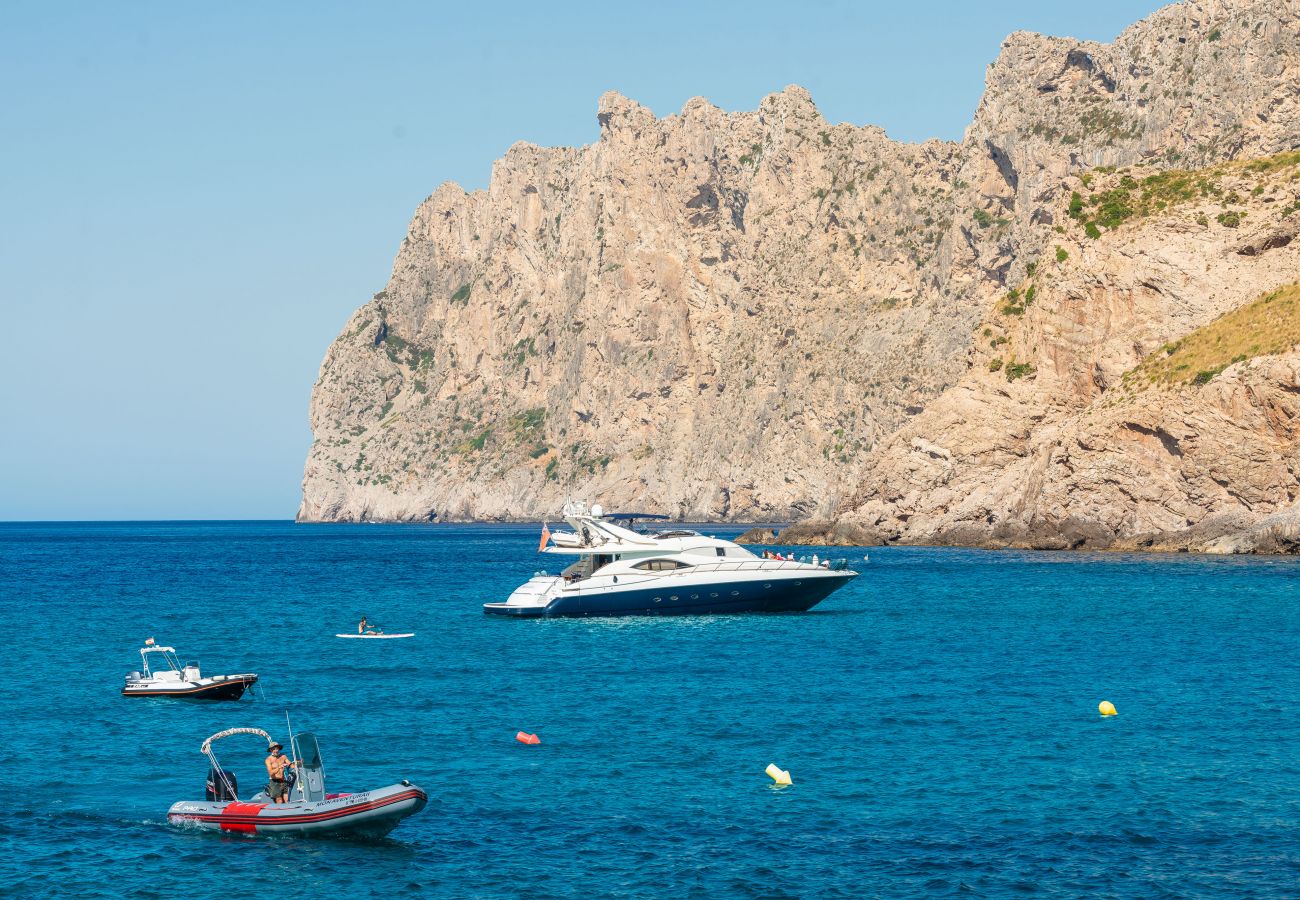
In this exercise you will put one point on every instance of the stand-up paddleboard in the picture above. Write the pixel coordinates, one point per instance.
(377, 636)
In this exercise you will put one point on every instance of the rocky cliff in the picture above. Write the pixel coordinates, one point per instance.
(1140, 389)
(710, 314)
(761, 315)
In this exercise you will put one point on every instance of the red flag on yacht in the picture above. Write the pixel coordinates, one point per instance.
(546, 536)
(148, 642)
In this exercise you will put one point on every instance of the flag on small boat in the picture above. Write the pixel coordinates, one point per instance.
(546, 536)
(148, 642)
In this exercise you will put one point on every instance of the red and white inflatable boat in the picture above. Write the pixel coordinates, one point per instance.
(309, 810)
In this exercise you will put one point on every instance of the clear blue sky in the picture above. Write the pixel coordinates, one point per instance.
(196, 196)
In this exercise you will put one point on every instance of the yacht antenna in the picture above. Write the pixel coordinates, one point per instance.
(293, 756)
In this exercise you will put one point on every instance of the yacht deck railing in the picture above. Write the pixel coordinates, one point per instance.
(762, 565)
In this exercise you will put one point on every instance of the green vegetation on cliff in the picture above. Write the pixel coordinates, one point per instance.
(1132, 197)
(1270, 324)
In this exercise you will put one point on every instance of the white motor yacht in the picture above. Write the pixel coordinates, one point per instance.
(619, 570)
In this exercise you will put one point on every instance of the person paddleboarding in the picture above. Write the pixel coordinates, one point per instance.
(367, 629)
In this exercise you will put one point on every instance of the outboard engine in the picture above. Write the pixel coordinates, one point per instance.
(132, 676)
(222, 785)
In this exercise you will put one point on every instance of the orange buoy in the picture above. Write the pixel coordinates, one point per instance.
(524, 737)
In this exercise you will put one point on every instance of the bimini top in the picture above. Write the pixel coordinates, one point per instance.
(595, 532)
(167, 654)
(592, 534)
(207, 745)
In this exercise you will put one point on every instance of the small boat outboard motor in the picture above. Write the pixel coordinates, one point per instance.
(222, 785)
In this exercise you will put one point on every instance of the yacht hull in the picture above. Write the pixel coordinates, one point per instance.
(769, 595)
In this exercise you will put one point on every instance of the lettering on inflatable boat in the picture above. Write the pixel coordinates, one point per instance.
(349, 800)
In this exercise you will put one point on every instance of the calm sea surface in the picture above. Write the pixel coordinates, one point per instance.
(938, 716)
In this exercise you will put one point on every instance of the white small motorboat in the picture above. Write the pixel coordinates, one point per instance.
(309, 810)
(162, 675)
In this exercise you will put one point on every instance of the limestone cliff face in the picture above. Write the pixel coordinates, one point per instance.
(762, 315)
(1060, 436)
(709, 314)
(1193, 84)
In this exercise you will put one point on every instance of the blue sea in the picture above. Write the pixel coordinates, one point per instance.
(938, 717)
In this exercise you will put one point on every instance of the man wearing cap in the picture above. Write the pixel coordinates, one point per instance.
(276, 762)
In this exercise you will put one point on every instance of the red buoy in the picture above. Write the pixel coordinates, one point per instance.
(524, 737)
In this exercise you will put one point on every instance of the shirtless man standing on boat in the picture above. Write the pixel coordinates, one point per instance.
(276, 762)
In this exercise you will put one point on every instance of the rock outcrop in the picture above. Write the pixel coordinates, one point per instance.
(1139, 390)
(759, 534)
(762, 316)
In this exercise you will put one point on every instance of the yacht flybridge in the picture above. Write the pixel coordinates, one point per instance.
(620, 570)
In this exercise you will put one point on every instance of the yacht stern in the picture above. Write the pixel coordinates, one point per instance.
(530, 599)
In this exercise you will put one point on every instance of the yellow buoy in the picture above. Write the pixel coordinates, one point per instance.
(1106, 708)
(780, 776)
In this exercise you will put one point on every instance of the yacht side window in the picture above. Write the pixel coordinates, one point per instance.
(660, 565)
